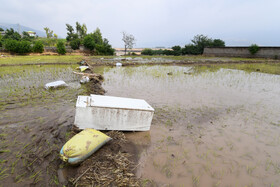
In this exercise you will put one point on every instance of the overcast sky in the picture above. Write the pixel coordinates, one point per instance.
(154, 22)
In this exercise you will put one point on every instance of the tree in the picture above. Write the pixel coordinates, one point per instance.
(218, 43)
(26, 36)
(147, 51)
(201, 42)
(190, 49)
(81, 30)
(89, 42)
(15, 46)
(254, 48)
(177, 50)
(1, 42)
(49, 32)
(97, 36)
(76, 39)
(61, 47)
(128, 40)
(11, 34)
(1, 29)
(38, 47)
(70, 32)
(75, 44)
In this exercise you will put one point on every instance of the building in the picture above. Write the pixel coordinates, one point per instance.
(2, 33)
(31, 33)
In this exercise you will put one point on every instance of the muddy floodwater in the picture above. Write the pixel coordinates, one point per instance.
(211, 127)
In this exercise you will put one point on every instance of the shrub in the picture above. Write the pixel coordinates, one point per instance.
(10, 45)
(254, 48)
(14, 46)
(24, 47)
(38, 47)
(89, 42)
(75, 44)
(147, 51)
(61, 48)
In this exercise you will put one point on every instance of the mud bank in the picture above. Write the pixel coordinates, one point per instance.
(35, 124)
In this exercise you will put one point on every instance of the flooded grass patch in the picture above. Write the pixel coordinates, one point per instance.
(21, 60)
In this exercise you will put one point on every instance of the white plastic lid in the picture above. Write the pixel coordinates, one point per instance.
(119, 102)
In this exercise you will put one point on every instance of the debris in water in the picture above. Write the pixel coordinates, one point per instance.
(118, 64)
(55, 84)
(84, 79)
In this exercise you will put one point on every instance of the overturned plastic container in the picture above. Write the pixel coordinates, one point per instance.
(113, 113)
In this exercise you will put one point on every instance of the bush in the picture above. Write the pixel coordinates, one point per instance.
(61, 48)
(190, 50)
(89, 42)
(75, 44)
(14, 46)
(24, 47)
(147, 51)
(254, 48)
(10, 45)
(38, 47)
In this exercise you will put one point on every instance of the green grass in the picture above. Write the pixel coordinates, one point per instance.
(16, 60)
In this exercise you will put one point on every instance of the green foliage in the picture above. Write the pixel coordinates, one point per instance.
(147, 51)
(95, 43)
(61, 47)
(76, 39)
(1, 29)
(25, 36)
(254, 48)
(38, 47)
(21, 47)
(75, 44)
(177, 50)
(11, 34)
(10, 45)
(201, 41)
(97, 37)
(49, 42)
(1, 41)
(24, 47)
(89, 42)
(190, 49)
(218, 43)
(49, 32)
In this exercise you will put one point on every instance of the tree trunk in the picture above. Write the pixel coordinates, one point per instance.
(125, 50)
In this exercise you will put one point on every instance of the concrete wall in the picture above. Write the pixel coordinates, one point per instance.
(264, 52)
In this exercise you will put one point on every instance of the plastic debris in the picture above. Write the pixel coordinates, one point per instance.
(55, 84)
(83, 68)
(82, 145)
(118, 64)
(84, 79)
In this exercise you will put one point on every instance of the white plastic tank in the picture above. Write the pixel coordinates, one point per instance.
(113, 113)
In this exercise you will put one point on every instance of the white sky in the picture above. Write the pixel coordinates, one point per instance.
(154, 22)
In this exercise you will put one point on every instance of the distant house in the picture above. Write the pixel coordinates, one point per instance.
(31, 33)
(2, 33)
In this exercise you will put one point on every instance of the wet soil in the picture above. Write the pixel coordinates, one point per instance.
(34, 128)
(211, 127)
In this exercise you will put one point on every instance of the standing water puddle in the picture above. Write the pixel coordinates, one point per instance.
(211, 127)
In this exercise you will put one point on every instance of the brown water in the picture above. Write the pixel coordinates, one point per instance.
(210, 128)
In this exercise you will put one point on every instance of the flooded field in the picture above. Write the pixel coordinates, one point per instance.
(213, 126)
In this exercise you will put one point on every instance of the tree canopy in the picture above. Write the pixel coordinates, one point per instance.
(129, 41)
